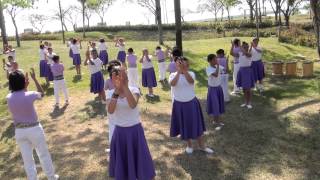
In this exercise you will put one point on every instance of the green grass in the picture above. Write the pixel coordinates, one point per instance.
(278, 139)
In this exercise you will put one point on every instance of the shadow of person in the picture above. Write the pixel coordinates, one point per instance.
(58, 111)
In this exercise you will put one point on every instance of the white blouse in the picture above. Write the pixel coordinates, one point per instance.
(122, 48)
(214, 81)
(96, 67)
(102, 47)
(183, 91)
(244, 61)
(42, 54)
(50, 56)
(147, 64)
(75, 48)
(124, 115)
(256, 56)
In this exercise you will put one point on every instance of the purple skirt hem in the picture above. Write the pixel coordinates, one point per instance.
(215, 101)
(76, 59)
(245, 78)
(103, 55)
(130, 158)
(258, 70)
(97, 82)
(149, 78)
(122, 56)
(44, 70)
(187, 120)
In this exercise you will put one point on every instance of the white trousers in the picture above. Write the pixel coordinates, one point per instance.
(58, 86)
(225, 87)
(29, 139)
(133, 77)
(162, 70)
(236, 68)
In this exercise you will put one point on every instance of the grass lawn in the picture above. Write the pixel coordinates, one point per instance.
(278, 139)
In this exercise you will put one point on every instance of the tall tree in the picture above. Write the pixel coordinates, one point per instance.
(276, 6)
(83, 11)
(100, 7)
(290, 6)
(61, 15)
(154, 7)
(228, 4)
(212, 6)
(177, 12)
(14, 7)
(251, 4)
(315, 8)
(38, 21)
(3, 26)
(72, 15)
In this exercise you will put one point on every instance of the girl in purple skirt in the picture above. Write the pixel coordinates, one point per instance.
(50, 55)
(132, 68)
(224, 62)
(187, 118)
(75, 46)
(215, 97)
(130, 158)
(103, 54)
(245, 77)
(97, 81)
(234, 51)
(44, 68)
(257, 64)
(148, 75)
(122, 51)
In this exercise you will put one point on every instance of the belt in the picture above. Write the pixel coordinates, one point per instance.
(132, 65)
(26, 125)
(60, 77)
(161, 60)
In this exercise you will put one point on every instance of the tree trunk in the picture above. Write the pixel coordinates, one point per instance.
(83, 21)
(177, 12)
(159, 22)
(222, 12)
(3, 27)
(315, 7)
(287, 19)
(65, 26)
(61, 20)
(251, 13)
(16, 30)
(215, 16)
(257, 20)
(229, 18)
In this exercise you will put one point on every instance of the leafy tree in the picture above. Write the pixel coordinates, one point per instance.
(315, 8)
(38, 21)
(212, 6)
(228, 4)
(288, 7)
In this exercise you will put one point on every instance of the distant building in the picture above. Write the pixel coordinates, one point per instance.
(127, 23)
(28, 31)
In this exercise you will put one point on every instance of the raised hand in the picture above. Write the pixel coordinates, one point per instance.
(32, 74)
(26, 80)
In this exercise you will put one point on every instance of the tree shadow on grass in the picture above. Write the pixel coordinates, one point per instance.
(152, 100)
(94, 109)
(8, 133)
(165, 86)
(72, 67)
(57, 112)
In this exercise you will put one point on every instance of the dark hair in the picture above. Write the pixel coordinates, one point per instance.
(74, 41)
(55, 58)
(10, 57)
(111, 66)
(17, 81)
(41, 46)
(49, 48)
(236, 41)
(158, 48)
(176, 52)
(130, 50)
(211, 57)
(220, 51)
(94, 50)
(181, 58)
(102, 40)
(245, 43)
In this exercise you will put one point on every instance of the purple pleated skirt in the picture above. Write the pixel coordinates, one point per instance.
(103, 55)
(215, 101)
(43, 68)
(76, 59)
(49, 75)
(187, 120)
(70, 53)
(245, 78)
(149, 78)
(122, 56)
(130, 158)
(97, 82)
(258, 70)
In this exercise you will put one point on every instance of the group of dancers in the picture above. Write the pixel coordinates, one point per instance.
(130, 157)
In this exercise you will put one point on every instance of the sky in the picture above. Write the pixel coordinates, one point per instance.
(119, 13)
